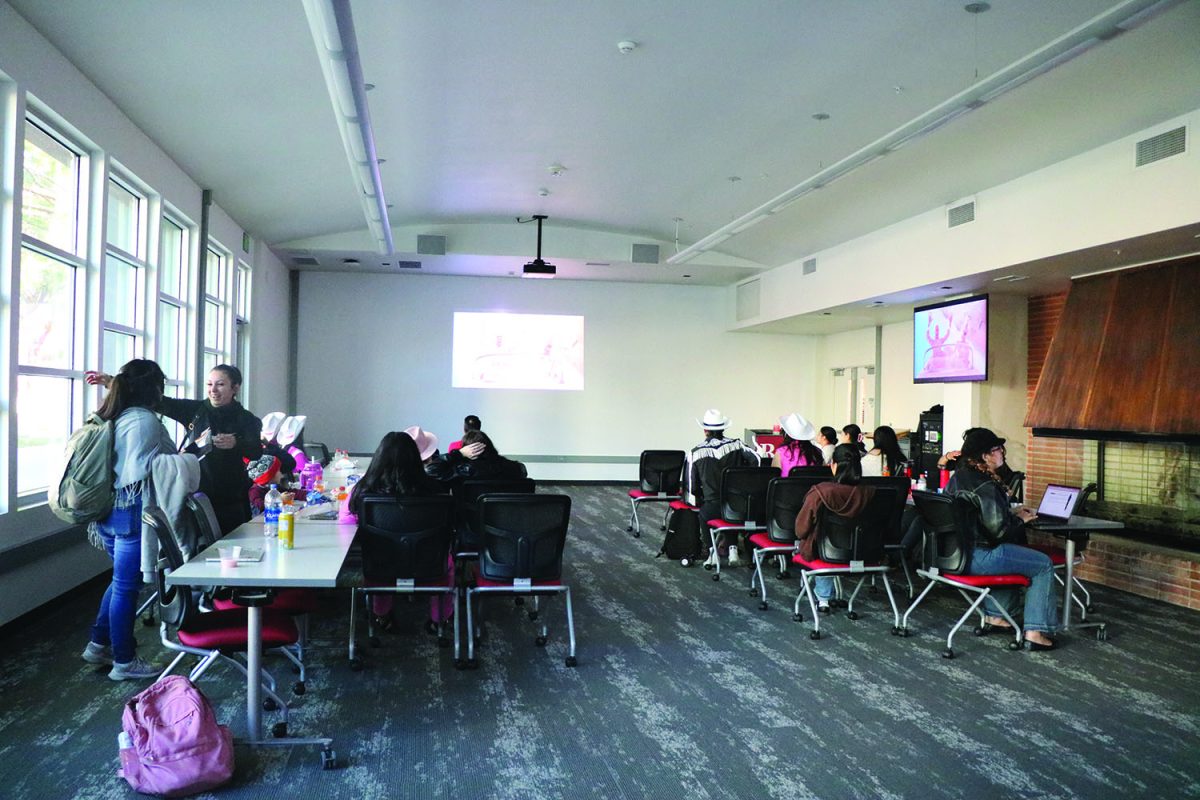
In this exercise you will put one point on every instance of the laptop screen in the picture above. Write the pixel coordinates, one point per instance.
(1058, 502)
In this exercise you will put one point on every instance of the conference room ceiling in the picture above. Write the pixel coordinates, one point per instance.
(709, 117)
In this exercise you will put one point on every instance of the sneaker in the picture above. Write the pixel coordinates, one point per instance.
(97, 653)
(712, 560)
(136, 670)
(733, 556)
(823, 606)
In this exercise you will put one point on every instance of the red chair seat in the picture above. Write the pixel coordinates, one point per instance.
(442, 583)
(287, 601)
(721, 523)
(226, 630)
(679, 505)
(638, 494)
(817, 563)
(983, 581)
(481, 582)
(764, 540)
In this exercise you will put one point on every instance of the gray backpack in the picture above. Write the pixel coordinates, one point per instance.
(85, 492)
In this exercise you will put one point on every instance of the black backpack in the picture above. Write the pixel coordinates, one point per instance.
(682, 542)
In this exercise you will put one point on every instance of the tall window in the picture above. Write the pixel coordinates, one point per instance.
(172, 331)
(50, 322)
(241, 315)
(217, 309)
(124, 277)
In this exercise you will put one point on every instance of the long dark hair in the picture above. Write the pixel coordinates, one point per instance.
(139, 383)
(477, 436)
(830, 434)
(887, 444)
(812, 454)
(848, 460)
(395, 469)
(855, 434)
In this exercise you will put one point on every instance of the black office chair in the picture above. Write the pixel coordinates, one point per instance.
(946, 561)
(405, 550)
(466, 497)
(317, 451)
(810, 470)
(785, 497)
(846, 547)
(660, 475)
(521, 554)
(743, 507)
(894, 532)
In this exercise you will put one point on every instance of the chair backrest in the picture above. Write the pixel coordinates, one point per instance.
(661, 470)
(900, 484)
(810, 469)
(744, 494)
(1016, 486)
(317, 451)
(946, 547)
(785, 496)
(523, 535)
(405, 537)
(844, 539)
(467, 494)
(208, 529)
(175, 603)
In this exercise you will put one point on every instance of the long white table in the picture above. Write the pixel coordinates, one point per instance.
(315, 561)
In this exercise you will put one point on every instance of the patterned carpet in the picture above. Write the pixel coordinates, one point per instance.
(684, 689)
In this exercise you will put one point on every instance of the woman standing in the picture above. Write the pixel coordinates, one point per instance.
(139, 436)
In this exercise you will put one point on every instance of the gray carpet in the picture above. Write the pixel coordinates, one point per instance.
(684, 689)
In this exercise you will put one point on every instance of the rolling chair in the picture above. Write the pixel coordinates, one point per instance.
(660, 473)
(785, 496)
(743, 507)
(893, 531)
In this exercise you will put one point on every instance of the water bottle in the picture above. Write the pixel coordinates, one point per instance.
(922, 484)
(272, 505)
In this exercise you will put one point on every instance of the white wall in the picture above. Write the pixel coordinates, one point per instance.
(375, 356)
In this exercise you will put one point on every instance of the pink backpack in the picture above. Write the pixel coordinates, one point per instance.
(175, 746)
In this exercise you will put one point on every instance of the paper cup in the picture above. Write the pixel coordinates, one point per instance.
(229, 555)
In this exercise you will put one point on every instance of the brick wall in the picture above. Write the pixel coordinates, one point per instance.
(1151, 479)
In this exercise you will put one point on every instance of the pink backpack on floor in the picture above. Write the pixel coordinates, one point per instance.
(175, 746)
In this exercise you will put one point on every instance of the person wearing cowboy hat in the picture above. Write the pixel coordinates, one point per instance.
(706, 461)
(437, 466)
(996, 550)
(798, 449)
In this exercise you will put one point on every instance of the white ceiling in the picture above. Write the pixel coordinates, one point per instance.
(475, 99)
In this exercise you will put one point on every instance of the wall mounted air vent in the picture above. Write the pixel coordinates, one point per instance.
(748, 300)
(644, 254)
(809, 266)
(1164, 145)
(960, 214)
(305, 261)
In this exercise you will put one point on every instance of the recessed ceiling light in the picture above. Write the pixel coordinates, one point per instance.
(946, 287)
(556, 169)
(368, 86)
(734, 178)
(826, 313)
(687, 276)
(381, 161)
(877, 303)
(820, 116)
(976, 8)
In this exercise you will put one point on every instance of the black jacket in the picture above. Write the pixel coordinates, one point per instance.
(223, 474)
(998, 525)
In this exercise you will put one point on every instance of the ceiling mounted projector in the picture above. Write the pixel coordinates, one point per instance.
(538, 268)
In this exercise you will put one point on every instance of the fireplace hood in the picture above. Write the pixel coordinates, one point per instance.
(1124, 363)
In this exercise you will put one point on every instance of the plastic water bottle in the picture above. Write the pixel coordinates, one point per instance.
(272, 505)
(921, 482)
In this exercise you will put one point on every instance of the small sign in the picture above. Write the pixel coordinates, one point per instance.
(522, 583)
(404, 583)
(856, 566)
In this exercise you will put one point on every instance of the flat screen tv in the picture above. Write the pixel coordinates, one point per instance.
(950, 341)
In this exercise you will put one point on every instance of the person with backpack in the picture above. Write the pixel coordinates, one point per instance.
(706, 462)
(138, 436)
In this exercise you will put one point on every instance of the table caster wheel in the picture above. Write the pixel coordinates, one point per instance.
(328, 759)
(269, 705)
(948, 654)
(797, 618)
(852, 615)
(279, 730)
(373, 641)
(356, 665)
(570, 661)
(814, 635)
(298, 688)
(763, 606)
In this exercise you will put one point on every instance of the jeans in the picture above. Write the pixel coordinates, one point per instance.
(1007, 559)
(121, 532)
(824, 587)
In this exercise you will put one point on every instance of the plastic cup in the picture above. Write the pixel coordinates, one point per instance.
(229, 555)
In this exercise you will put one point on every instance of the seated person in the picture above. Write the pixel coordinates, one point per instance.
(486, 463)
(852, 434)
(1000, 526)
(470, 423)
(705, 464)
(885, 453)
(797, 449)
(844, 496)
(826, 439)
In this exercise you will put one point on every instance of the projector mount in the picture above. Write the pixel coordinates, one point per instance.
(538, 267)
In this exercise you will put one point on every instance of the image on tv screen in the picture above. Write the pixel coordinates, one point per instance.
(494, 350)
(950, 341)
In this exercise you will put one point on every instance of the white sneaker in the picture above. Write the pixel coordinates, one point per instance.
(713, 559)
(823, 606)
(136, 670)
(733, 556)
(97, 653)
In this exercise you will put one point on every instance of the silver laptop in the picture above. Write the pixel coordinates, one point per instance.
(1058, 503)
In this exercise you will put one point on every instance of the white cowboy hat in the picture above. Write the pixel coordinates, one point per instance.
(426, 442)
(797, 427)
(713, 420)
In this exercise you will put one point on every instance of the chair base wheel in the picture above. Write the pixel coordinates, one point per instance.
(148, 621)
(460, 663)
(814, 635)
(298, 688)
(637, 534)
(980, 630)
(763, 606)
(717, 577)
(948, 654)
(518, 601)
(898, 631)
(540, 641)
(783, 576)
(269, 705)
(279, 730)
(571, 661)
(533, 615)
(472, 663)
(1015, 645)
(328, 759)
(629, 529)
(797, 618)
(356, 665)
(708, 567)
(852, 615)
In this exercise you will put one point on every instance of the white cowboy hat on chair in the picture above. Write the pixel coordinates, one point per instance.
(797, 427)
(713, 420)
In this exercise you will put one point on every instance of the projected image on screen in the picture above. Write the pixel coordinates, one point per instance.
(517, 351)
(950, 341)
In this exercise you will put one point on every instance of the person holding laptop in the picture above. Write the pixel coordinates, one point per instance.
(1000, 526)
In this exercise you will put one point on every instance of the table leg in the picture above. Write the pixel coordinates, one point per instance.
(254, 672)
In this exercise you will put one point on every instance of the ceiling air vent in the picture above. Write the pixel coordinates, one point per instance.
(961, 214)
(1164, 145)
(747, 300)
(809, 267)
(644, 254)
(305, 261)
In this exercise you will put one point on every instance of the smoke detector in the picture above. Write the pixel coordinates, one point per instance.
(556, 169)
(626, 47)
